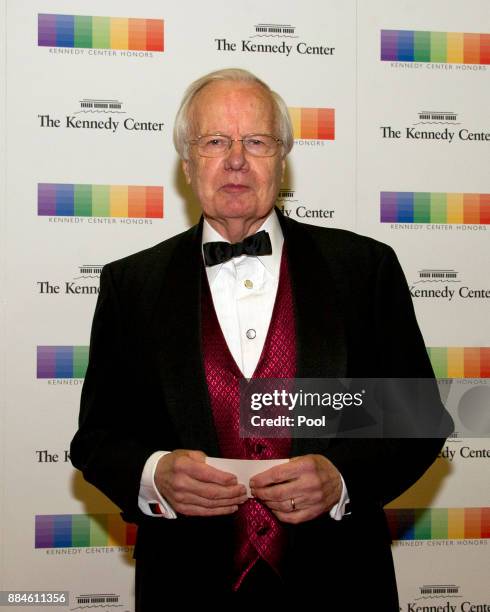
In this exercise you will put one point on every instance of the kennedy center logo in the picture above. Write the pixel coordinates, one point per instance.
(439, 523)
(437, 117)
(89, 271)
(439, 590)
(275, 39)
(107, 35)
(446, 597)
(461, 51)
(445, 285)
(437, 127)
(126, 202)
(438, 210)
(100, 115)
(83, 531)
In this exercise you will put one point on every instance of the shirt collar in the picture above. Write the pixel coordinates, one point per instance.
(272, 262)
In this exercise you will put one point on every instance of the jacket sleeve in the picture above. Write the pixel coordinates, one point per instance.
(109, 446)
(381, 469)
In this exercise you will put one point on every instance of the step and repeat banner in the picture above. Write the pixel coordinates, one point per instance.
(389, 101)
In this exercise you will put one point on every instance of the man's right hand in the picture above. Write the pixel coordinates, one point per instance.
(196, 489)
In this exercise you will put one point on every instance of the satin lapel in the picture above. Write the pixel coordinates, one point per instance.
(320, 334)
(177, 324)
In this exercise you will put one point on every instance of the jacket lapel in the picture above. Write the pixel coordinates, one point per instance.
(319, 322)
(320, 332)
(177, 325)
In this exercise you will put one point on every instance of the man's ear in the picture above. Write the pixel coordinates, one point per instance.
(283, 168)
(186, 169)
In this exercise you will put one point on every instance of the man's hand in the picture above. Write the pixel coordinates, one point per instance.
(196, 489)
(311, 481)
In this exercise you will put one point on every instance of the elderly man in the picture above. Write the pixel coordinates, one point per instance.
(246, 293)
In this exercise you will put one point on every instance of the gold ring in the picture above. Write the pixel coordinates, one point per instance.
(293, 505)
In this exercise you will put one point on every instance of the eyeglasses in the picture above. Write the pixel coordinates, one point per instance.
(215, 145)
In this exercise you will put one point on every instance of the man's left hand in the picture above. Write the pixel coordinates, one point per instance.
(299, 490)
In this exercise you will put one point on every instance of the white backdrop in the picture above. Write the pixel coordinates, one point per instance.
(51, 259)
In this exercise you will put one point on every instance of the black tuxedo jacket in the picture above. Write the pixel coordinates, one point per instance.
(145, 390)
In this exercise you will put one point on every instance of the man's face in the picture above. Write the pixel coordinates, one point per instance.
(236, 185)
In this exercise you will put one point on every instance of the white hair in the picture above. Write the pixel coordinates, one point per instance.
(182, 119)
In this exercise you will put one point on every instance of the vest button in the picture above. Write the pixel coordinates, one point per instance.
(259, 448)
(251, 333)
(262, 530)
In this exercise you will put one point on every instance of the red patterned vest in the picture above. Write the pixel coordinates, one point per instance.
(258, 533)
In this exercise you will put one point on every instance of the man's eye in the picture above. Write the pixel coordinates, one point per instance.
(214, 142)
(255, 142)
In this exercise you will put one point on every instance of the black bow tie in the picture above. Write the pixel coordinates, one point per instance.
(219, 252)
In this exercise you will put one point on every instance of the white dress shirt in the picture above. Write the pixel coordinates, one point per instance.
(243, 291)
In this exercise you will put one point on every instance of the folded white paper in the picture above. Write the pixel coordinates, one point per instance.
(244, 469)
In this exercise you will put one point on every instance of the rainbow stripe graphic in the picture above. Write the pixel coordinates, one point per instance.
(442, 47)
(99, 32)
(313, 123)
(62, 361)
(460, 362)
(69, 200)
(439, 523)
(83, 530)
(421, 207)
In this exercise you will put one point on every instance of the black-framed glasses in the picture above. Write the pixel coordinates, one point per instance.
(215, 145)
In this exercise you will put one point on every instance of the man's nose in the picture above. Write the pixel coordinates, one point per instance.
(235, 158)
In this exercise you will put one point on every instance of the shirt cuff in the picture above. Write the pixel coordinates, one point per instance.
(340, 509)
(150, 501)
